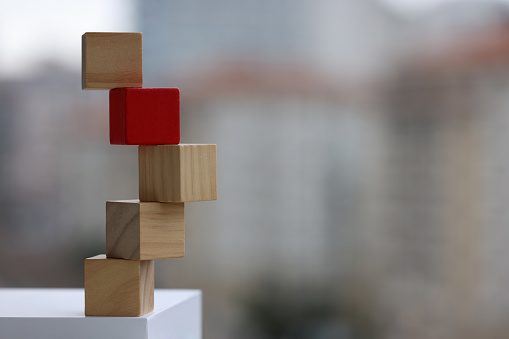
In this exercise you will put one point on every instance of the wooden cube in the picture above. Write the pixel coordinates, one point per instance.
(144, 230)
(117, 287)
(111, 60)
(144, 116)
(177, 173)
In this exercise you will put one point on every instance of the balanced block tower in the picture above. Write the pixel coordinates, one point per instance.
(121, 282)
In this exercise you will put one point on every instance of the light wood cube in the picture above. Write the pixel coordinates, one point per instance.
(177, 173)
(111, 60)
(144, 230)
(118, 287)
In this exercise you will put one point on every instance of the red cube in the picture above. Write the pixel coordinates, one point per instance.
(144, 116)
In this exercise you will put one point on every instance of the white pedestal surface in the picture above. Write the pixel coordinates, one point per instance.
(59, 314)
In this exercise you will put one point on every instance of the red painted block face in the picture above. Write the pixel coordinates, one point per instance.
(144, 116)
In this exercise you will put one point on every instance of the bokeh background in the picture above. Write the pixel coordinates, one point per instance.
(363, 168)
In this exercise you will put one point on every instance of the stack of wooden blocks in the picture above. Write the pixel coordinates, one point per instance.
(121, 282)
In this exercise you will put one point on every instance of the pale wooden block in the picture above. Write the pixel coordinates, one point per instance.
(144, 230)
(117, 287)
(177, 173)
(111, 60)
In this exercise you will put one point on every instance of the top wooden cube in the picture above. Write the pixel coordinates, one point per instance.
(112, 60)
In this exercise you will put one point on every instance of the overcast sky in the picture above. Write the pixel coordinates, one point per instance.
(35, 30)
(32, 31)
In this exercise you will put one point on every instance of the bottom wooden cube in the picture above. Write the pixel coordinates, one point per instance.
(118, 287)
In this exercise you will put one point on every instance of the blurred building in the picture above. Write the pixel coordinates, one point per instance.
(436, 232)
(287, 153)
(57, 172)
(281, 88)
(353, 39)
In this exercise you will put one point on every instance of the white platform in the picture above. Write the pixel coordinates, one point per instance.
(59, 314)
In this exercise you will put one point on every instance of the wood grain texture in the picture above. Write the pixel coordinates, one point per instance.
(111, 60)
(144, 116)
(144, 230)
(177, 173)
(117, 287)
